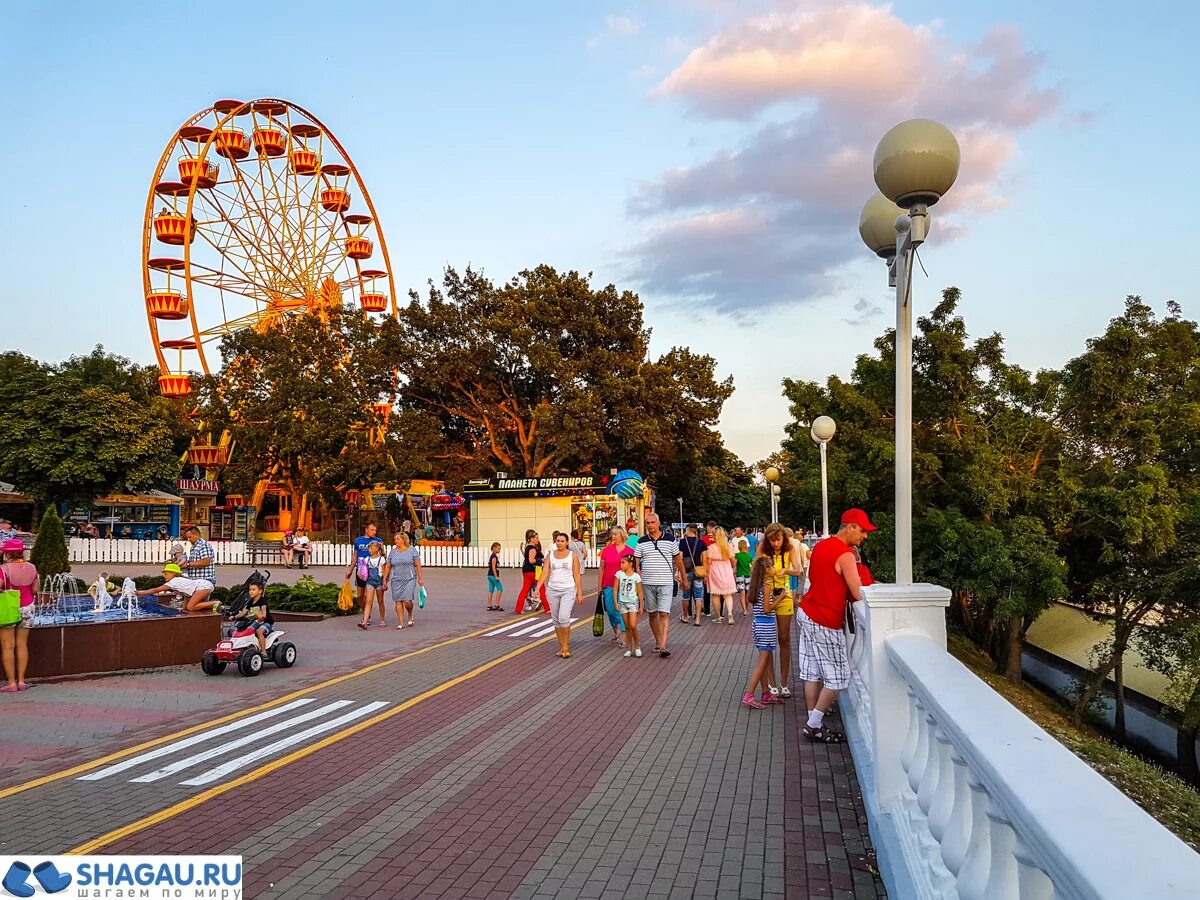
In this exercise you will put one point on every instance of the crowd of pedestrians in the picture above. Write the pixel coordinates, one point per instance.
(770, 576)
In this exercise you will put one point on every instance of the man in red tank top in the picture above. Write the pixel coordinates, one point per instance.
(833, 582)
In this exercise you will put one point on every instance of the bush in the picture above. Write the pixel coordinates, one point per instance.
(50, 546)
(306, 595)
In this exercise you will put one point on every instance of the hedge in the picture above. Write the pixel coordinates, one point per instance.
(306, 595)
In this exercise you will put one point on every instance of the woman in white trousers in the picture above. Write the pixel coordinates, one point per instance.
(560, 579)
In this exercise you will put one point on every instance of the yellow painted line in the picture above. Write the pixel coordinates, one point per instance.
(192, 802)
(129, 751)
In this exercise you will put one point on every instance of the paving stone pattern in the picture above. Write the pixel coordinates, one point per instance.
(593, 777)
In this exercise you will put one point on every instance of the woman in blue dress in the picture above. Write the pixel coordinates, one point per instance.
(403, 575)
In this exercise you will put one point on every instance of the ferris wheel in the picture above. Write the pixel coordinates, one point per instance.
(249, 219)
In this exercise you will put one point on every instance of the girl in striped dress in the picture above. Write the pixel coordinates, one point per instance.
(764, 599)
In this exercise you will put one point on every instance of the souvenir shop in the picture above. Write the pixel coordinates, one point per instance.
(502, 508)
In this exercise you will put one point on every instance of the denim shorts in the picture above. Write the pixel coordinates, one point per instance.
(495, 586)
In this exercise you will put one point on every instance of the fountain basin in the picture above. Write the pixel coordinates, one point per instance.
(169, 638)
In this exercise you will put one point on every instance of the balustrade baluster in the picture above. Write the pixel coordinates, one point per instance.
(929, 775)
(1002, 883)
(908, 751)
(943, 792)
(973, 876)
(1032, 882)
(957, 834)
(921, 754)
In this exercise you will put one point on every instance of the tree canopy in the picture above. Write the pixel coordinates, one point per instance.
(92, 425)
(986, 472)
(546, 374)
(297, 399)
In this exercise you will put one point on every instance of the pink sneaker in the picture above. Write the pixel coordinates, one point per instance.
(748, 699)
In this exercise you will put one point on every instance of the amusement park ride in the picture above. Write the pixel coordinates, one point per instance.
(248, 219)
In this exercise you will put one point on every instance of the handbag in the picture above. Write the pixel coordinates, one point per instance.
(10, 603)
(421, 596)
(598, 618)
(345, 599)
(362, 570)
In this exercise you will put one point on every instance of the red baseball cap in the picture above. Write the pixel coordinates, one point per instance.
(857, 517)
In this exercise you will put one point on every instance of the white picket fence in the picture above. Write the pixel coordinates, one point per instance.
(236, 553)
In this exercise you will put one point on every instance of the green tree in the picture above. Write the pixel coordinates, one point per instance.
(547, 374)
(65, 437)
(1131, 406)
(718, 486)
(985, 471)
(297, 398)
(49, 553)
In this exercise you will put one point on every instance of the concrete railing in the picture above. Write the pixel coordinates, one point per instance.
(967, 798)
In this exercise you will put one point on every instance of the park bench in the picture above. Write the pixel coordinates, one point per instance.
(268, 551)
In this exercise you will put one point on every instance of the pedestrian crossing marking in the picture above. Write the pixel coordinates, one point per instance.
(539, 628)
(246, 750)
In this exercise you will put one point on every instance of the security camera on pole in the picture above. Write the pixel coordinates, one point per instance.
(822, 431)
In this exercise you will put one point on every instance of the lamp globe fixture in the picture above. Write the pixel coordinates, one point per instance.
(916, 162)
(772, 474)
(877, 225)
(823, 429)
(776, 490)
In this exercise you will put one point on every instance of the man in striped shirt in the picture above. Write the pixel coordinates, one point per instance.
(661, 566)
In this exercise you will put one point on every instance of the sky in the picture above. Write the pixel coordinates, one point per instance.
(711, 155)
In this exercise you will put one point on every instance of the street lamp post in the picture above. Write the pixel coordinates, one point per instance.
(822, 432)
(681, 512)
(772, 476)
(916, 162)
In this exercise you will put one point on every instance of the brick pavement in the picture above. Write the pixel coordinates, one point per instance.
(69, 721)
(592, 777)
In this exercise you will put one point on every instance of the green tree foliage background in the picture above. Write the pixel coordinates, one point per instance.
(92, 425)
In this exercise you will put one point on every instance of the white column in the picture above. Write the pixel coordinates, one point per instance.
(895, 608)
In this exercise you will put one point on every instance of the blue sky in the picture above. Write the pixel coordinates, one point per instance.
(646, 142)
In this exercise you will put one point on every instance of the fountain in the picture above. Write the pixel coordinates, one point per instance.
(80, 629)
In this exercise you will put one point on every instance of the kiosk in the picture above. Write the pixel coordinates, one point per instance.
(501, 509)
(154, 514)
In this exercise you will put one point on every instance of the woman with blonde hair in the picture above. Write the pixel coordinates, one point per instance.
(719, 561)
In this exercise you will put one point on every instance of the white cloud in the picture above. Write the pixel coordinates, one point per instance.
(616, 27)
(774, 218)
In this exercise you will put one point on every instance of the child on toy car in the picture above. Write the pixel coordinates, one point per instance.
(254, 616)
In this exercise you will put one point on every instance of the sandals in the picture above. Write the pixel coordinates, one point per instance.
(785, 691)
(363, 625)
(823, 735)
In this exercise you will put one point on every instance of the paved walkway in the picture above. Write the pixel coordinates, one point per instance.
(472, 764)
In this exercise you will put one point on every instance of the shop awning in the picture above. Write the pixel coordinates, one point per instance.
(149, 498)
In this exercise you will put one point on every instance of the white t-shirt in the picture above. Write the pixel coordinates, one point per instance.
(189, 586)
(627, 588)
(302, 541)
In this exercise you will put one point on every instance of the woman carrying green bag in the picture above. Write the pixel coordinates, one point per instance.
(19, 578)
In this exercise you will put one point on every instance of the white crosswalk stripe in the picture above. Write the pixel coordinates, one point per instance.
(527, 629)
(283, 724)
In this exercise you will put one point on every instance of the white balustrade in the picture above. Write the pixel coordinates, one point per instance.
(126, 551)
(969, 799)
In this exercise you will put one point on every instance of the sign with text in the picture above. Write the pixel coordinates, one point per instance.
(581, 483)
(198, 486)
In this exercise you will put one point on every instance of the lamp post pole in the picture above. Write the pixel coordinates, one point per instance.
(822, 431)
(681, 511)
(772, 476)
(916, 162)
